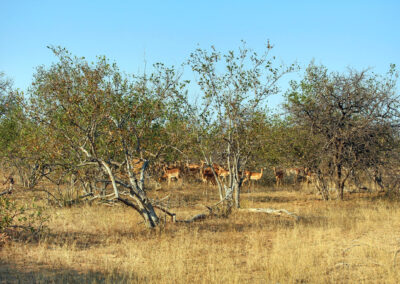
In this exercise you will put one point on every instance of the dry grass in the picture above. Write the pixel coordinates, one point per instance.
(351, 241)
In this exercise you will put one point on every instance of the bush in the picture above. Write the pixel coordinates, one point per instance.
(21, 222)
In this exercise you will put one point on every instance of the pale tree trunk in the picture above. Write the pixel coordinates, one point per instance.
(237, 194)
(221, 190)
(139, 195)
(234, 179)
(237, 182)
(140, 201)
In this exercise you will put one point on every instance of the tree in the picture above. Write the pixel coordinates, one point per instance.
(8, 107)
(351, 119)
(234, 89)
(13, 129)
(95, 118)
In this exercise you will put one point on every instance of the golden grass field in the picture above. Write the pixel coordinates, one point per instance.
(351, 241)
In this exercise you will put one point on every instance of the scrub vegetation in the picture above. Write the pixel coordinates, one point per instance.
(112, 177)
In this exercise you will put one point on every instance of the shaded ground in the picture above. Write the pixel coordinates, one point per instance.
(34, 273)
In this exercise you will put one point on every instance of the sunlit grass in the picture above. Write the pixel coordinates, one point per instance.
(351, 241)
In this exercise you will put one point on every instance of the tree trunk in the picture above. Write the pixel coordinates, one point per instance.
(142, 204)
(237, 194)
(237, 186)
(139, 195)
(145, 209)
(148, 214)
(339, 183)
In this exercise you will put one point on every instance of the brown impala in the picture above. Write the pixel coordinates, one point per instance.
(279, 173)
(171, 173)
(253, 175)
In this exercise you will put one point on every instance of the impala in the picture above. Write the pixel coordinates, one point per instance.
(193, 168)
(170, 174)
(208, 170)
(207, 176)
(279, 173)
(222, 173)
(295, 172)
(310, 176)
(253, 176)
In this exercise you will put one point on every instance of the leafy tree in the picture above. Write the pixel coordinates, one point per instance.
(13, 132)
(351, 119)
(8, 106)
(96, 118)
(235, 86)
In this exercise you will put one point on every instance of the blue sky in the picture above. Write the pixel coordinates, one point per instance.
(338, 34)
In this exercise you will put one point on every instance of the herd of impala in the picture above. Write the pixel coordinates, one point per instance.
(207, 173)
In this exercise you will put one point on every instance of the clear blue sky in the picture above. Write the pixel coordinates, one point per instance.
(337, 34)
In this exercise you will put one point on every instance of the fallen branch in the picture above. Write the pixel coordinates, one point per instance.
(85, 195)
(162, 199)
(195, 218)
(163, 209)
(271, 211)
(203, 216)
(347, 249)
(5, 192)
(354, 245)
(356, 264)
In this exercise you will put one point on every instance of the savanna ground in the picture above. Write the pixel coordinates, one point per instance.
(355, 240)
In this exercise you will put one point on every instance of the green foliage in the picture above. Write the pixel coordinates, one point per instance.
(9, 110)
(231, 122)
(21, 221)
(96, 106)
(98, 122)
(235, 87)
(351, 119)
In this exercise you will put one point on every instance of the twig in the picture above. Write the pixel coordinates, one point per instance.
(346, 249)
(100, 196)
(76, 200)
(342, 263)
(130, 204)
(394, 258)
